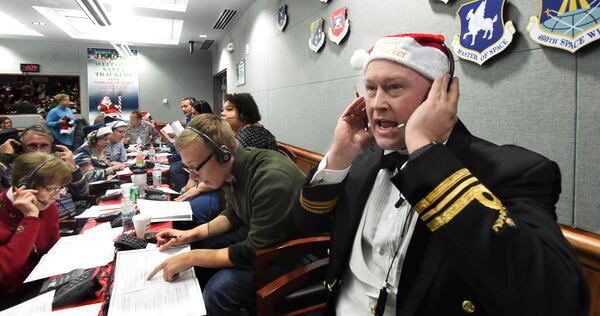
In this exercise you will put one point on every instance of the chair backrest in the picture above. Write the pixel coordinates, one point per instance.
(286, 152)
(299, 289)
(587, 246)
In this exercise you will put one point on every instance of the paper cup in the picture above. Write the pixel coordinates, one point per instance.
(141, 223)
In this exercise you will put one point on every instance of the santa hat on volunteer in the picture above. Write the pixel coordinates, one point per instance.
(424, 53)
(145, 115)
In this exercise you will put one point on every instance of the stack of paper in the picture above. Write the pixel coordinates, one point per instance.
(165, 211)
(39, 305)
(133, 295)
(42, 305)
(123, 172)
(98, 210)
(75, 252)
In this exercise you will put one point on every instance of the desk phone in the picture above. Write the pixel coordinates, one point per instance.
(126, 242)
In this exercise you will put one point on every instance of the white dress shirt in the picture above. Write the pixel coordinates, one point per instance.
(377, 239)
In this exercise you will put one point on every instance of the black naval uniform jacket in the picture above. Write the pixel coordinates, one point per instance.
(486, 242)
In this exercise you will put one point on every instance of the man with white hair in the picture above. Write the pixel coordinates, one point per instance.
(433, 220)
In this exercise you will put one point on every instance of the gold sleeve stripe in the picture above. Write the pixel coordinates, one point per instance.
(318, 203)
(478, 192)
(440, 206)
(2, 166)
(317, 207)
(441, 189)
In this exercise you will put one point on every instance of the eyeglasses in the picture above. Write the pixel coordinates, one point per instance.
(61, 190)
(197, 169)
(35, 147)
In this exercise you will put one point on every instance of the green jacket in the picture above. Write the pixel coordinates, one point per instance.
(263, 189)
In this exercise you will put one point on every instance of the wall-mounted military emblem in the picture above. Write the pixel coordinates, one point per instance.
(282, 17)
(339, 25)
(317, 36)
(566, 24)
(483, 33)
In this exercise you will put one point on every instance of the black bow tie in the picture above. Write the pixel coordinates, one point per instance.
(392, 161)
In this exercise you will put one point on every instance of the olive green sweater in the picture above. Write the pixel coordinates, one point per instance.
(263, 189)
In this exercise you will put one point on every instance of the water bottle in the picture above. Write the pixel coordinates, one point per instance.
(127, 212)
(139, 142)
(152, 154)
(139, 158)
(156, 176)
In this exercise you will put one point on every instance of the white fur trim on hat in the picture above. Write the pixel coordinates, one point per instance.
(103, 131)
(116, 124)
(428, 61)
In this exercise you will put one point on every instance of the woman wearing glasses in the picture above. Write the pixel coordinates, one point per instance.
(92, 158)
(28, 220)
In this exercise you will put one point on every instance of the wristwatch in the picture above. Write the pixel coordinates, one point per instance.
(421, 150)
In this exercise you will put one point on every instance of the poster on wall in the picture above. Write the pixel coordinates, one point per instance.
(282, 17)
(339, 25)
(483, 32)
(113, 83)
(241, 72)
(565, 24)
(317, 36)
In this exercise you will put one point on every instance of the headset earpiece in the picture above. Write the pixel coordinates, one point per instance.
(450, 64)
(221, 154)
(242, 118)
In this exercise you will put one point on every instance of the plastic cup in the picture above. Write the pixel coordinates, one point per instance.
(141, 223)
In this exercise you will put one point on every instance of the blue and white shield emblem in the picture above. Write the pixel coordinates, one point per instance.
(282, 17)
(317, 36)
(566, 24)
(483, 33)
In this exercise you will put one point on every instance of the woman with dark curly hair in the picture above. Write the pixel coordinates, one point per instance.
(241, 112)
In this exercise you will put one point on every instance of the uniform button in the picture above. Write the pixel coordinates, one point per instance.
(381, 251)
(468, 307)
(12, 229)
(12, 215)
(328, 251)
(390, 215)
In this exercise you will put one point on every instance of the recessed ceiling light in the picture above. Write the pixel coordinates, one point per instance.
(166, 5)
(203, 36)
(136, 29)
(39, 23)
(9, 25)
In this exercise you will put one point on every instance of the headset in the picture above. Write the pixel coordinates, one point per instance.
(26, 182)
(222, 155)
(450, 63)
(242, 118)
(193, 101)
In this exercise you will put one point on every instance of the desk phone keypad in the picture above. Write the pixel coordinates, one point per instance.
(77, 289)
(126, 242)
(52, 284)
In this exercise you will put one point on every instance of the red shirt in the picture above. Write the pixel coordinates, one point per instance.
(23, 241)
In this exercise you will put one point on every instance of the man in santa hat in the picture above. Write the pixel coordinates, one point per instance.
(432, 220)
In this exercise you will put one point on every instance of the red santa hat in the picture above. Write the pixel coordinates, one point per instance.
(424, 53)
(145, 115)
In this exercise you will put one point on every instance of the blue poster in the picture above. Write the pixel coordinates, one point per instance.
(113, 83)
